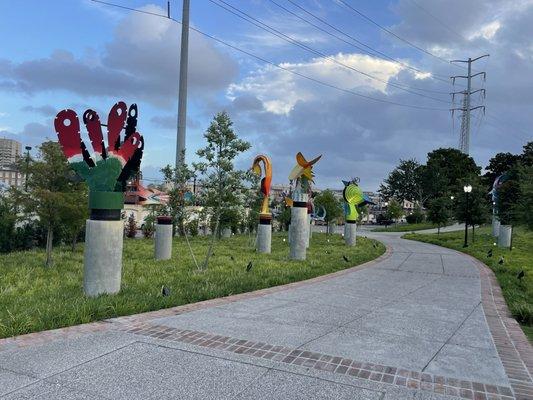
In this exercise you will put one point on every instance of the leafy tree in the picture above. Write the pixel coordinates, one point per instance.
(176, 179)
(284, 218)
(7, 225)
(148, 227)
(222, 185)
(53, 193)
(444, 172)
(526, 158)
(404, 182)
(394, 210)
(331, 204)
(524, 206)
(500, 163)
(439, 211)
(417, 216)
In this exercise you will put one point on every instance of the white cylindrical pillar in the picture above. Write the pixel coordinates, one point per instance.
(504, 236)
(264, 235)
(102, 266)
(299, 231)
(163, 238)
(350, 233)
(226, 232)
(495, 226)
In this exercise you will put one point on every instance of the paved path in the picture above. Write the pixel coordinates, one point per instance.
(421, 323)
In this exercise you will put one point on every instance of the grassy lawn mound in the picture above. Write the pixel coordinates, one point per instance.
(406, 227)
(34, 298)
(518, 293)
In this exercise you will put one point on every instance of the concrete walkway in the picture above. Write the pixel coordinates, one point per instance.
(421, 323)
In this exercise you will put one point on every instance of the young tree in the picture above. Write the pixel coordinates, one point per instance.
(131, 227)
(394, 210)
(439, 211)
(177, 179)
(524, 207)
(331, 204)
(404, 182)
(7, 224)
(53, 191)
(222, 185)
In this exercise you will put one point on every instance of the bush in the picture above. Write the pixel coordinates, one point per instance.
(148, 228)
(131, 227)
(192, 227)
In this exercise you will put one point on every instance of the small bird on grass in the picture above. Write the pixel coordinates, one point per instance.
(345, 258)
(501, 260)
(489, 253)
(232, 258)
(165, 292)
(521, 275)
(249, 266)
(327, 251)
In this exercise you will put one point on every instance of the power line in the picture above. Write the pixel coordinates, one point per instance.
(371, 51)
(355, 10)
(247, 17)
(271, 63)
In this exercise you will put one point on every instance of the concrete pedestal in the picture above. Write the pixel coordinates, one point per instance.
(163, 241)
(226, 232)
(350, 233)
(309, 231)
(264, 237)
(102, 264)
(299, 232)
(504, 236)
(495, 226)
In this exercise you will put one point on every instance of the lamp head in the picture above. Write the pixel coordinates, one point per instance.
(467, 188)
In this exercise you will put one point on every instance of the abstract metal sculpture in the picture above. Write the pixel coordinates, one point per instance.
(264, 229)
(106, 173)
(353, 198)
(302, 173)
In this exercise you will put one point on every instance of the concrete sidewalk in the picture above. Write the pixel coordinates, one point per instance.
(423, 323)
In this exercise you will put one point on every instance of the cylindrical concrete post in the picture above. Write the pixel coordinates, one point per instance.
(495, 226)
(264, 235)
(504, 236)
(350, 233)
(226, 232)
(104, 239)
(102, 264)
(163, 238)
(299, 230)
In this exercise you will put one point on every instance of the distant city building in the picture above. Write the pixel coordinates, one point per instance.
(10, 151)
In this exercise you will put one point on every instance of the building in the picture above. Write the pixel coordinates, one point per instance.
(10, 151)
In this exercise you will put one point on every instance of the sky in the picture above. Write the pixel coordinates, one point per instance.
(373, 97)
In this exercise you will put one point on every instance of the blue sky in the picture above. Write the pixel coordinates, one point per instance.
(79, 54)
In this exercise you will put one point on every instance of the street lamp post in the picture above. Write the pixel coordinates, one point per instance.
(467, 189)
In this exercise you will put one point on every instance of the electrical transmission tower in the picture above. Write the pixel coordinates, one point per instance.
(464, 139)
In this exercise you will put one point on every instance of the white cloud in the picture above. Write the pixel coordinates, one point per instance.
(487, 31)
(280, 90)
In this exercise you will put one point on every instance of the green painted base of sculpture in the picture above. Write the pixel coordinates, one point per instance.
(106, 200)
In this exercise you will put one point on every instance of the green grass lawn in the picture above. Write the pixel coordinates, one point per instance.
(33, 298)
(406, 227)
(518, 294)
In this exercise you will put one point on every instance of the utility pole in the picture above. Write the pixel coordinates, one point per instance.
(464, 139)
(182, 95)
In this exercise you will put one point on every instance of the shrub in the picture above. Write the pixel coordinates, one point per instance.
(131, 227)
(148, 228)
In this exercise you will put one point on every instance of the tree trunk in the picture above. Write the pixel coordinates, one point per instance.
(73, 243)
(49, 243)
(473, 233)
(212, 244)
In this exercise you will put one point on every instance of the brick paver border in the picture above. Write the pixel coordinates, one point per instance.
(463, 389)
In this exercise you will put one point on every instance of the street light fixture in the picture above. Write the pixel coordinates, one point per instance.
(467, 189)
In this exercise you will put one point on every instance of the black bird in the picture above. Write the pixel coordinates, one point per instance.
(489, 253)
(345, 258)
(249, 266)
(165, 292)
(232, 258)
(501, 260)
(520, 275)
(327, 252)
